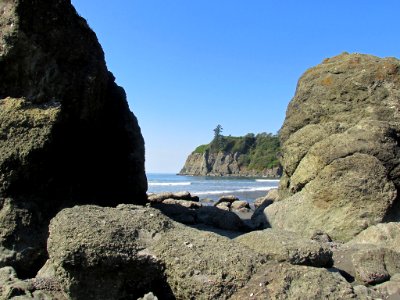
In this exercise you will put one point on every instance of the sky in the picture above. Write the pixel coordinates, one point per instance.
(189, 65)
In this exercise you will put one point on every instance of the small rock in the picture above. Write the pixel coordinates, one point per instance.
(321, 236)
(149, 296)
(184, 203)
(224, 206)
(158, 198)
(238, 204)
(227, 198)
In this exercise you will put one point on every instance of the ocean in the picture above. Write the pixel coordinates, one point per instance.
(244, 188)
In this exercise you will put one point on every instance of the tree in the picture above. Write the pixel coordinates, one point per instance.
(217, 132)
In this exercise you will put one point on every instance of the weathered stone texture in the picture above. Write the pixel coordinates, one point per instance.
(340, 152)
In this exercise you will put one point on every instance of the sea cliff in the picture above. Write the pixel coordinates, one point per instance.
(223, 164)
(249, 156)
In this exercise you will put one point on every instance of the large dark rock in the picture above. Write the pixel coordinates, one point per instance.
(340, 148)
(67, 135)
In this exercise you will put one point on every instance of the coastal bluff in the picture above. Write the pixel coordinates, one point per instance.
(67, 135)
(247, 156)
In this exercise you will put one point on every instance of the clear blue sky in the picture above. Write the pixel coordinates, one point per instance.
(188, 65)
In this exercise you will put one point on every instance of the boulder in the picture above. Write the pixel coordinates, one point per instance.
(389, 289)
(189, 212)
(160, 197)
(367, 293)
(366, 264)
(179, 213)
(283, 246)
(203, 265)
(240, 204)
(219, 218)
(285, 281)
(339, 148)
(185, 196)
(270, 197)
(11, 287)
(224, 206)
(258, 218)
(67, 134)
(227, 198)
(381, 235)
(376, 265)
(112, 253)
(184, 203)
(100, 253)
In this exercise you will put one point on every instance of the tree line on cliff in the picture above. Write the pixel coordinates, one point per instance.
(257, 151)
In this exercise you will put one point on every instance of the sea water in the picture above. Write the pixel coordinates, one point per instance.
(244, 188)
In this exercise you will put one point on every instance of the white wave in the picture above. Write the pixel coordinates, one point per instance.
(169, 183)
(267, 180)
(257, 189)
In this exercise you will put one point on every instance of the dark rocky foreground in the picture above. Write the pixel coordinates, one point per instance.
(72, 174)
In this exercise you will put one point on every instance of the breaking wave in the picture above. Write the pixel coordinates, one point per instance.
(267, 180)
(256, 189)
(169, 183)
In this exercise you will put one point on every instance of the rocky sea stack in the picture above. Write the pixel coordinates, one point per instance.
(340, 148)
(67, 135)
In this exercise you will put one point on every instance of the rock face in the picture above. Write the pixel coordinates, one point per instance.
(340, 148)
(222, 164)
(67, 135)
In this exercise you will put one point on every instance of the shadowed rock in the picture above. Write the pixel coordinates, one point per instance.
(67, 135)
